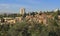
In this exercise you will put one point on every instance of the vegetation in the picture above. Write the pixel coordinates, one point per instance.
(31, 29)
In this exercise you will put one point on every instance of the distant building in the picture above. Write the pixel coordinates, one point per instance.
(22, 11)
(18, 19)
(58, 16)
(9, 20)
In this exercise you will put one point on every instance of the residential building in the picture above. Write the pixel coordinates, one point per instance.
(22, 11)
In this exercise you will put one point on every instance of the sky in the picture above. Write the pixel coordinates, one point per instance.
(13, 6)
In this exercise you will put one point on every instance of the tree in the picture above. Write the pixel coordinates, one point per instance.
(19, 28)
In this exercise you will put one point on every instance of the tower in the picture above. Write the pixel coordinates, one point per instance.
(22, 11)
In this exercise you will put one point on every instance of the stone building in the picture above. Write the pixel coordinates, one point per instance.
(22, 11)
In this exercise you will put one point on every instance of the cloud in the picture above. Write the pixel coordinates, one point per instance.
(12, 7)
(9, 8)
